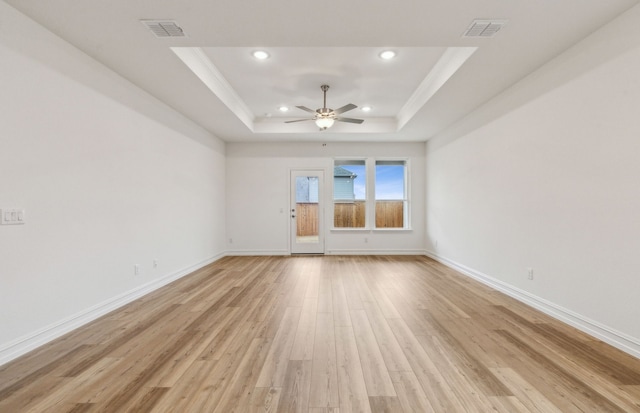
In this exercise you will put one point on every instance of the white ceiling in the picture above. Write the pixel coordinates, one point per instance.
(438, 76)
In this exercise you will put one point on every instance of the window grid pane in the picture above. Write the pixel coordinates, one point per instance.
(349, 194)
(390, 194)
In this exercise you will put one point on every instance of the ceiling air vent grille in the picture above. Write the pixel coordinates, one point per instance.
(484, 28)
(164, 28)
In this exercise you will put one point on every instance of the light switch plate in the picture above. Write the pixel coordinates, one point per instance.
(12, 216)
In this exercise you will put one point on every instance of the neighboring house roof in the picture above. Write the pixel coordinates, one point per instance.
(340, 171)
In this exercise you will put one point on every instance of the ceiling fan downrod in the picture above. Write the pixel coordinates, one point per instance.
(324, 89)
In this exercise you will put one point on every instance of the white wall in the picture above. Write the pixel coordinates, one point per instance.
(109, 177)
(547, 176)
(258, 189)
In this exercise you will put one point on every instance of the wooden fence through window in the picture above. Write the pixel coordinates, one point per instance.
(349, 215)
(389, 214)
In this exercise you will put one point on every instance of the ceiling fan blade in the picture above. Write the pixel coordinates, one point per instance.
(350, 120)
(306, 109)
(297, 120)
(345, 108)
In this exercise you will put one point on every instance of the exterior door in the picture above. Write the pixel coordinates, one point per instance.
(307, 212)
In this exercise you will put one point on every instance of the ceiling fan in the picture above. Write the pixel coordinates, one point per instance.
(324, 117)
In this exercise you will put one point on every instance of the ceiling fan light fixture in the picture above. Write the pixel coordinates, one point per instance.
(260, 55)
(324, 123)
(366, 108)
(283, 109)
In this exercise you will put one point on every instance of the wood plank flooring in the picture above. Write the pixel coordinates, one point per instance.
(323, 334)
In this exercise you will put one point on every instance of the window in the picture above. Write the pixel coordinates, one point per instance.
(391, 205)
(385, 203)
(349, 193)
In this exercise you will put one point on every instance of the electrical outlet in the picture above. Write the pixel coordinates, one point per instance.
(366, 240)
(530, 273)
(136, 269)
(230, 240)
(155, 264)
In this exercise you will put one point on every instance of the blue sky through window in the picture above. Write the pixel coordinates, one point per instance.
(389, 181)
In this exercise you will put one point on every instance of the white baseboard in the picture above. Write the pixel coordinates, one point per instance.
(373, 252)
(609, 335)
(327, 252)
(256, 252)
(40, 337)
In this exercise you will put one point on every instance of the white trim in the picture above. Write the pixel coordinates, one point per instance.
(196, 60)
(452, 59)
(407, 229)
(628, 344)
(373, 252)
(372, 125)
(40, 337)
(256, 252)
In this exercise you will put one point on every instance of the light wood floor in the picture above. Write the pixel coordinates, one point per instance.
(323, 334)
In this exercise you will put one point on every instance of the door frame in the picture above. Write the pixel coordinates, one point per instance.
(310, 248)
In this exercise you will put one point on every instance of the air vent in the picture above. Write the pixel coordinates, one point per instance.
(484, 28)
(164, 28)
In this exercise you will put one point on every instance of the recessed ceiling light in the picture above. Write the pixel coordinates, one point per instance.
(283, 109)
(366, 108)
(388, 54)
(260, 54)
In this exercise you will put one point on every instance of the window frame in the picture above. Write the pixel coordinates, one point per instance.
(406, 224)
(370, 194)
(340, 161)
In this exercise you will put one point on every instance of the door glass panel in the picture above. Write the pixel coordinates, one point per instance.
(307, 233)
(307, 217)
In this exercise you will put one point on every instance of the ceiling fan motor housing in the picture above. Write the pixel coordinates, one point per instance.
(326, 112)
